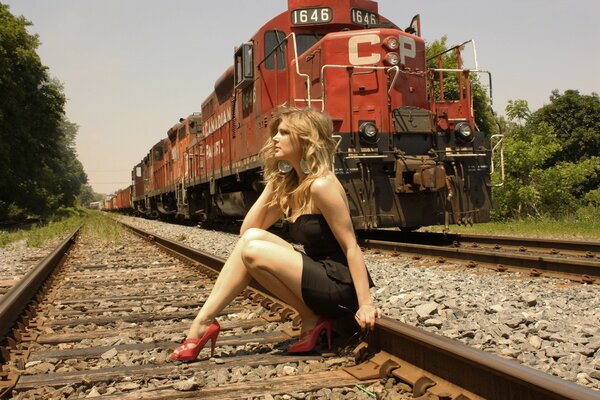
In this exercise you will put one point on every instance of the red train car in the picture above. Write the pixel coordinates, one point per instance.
(124, 199)
(407, 156)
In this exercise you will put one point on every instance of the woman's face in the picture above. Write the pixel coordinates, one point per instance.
(287, 144)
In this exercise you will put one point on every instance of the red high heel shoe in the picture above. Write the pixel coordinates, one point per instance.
(308, 339)
(185, 353)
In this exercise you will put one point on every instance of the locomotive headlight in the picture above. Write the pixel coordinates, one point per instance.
(368, 131)
(391, 43)
(392, 58)
(463, 131)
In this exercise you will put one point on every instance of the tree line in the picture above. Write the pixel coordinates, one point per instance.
(552, 157)
(40, 170)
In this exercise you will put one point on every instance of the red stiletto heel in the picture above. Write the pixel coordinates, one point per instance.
(185, 353)
(308, 339)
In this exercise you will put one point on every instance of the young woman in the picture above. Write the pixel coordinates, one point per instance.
(328, 280)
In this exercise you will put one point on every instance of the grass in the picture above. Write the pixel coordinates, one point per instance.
(583, 225)
(66, 221)
(102, 227)
(96, 224)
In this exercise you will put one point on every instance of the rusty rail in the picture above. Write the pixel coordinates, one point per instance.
(440, 360)
(17, 299)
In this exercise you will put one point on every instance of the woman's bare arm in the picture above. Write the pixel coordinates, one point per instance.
(261, 215)
(330, 200)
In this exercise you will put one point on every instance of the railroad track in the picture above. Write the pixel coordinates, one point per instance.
(112, 314)
(575, 260)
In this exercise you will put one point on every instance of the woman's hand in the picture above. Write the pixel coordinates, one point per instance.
(366, 315)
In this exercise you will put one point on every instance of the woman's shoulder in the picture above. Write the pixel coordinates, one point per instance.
(323, 184)
(326, 189)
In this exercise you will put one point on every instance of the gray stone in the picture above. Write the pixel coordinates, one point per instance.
(330, 362)
(530, 299)
(289, 370)
(583, 378)
(109, 354)
(41, 368)
(510, 352)
(187, 385)
(434, 322)
(469, 326)
(496, 308)
(555, 352)
(93, 393)
(514, 322)
(127, 386)
(424, 310)
(535, 342)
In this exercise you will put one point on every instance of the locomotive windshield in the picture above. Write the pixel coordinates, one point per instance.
(304, 41)
(273, 41)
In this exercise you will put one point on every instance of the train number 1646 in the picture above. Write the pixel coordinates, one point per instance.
(319, 15)
(363, 17)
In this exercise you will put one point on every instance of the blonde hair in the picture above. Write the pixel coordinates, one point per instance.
(314, 130)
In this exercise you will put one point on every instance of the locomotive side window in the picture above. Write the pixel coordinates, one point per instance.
(305, 41)
(158, 154)
(274, 40)
(244, 65)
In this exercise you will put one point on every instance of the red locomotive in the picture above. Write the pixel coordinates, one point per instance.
(405, 157)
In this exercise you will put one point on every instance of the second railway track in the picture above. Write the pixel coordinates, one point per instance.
(574, 260)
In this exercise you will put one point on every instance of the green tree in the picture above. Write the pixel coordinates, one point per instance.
(526, 149)
(536, 183)
(576, 121)
(518, 110)
(40, 170)
(484, 115)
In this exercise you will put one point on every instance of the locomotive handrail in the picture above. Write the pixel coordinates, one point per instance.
(458, 46)
(397, 70)
(477, 71)
(365, 156)
(500, 138)
(466, 155)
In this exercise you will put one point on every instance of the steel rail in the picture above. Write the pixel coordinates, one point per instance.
(480, 373)
(16, 300)
(583, 246)
(575, 269)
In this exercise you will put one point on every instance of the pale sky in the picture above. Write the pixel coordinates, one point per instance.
(132, 68)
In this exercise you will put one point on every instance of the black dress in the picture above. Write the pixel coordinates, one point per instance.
(326, 280)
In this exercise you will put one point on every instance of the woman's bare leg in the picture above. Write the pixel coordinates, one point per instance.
(236, 275)
(278, 267)
(232, 279)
